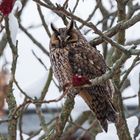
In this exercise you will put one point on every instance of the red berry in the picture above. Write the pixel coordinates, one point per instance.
(6, 6)
(78, 80)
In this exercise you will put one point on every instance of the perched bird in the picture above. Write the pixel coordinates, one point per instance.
(75, 62)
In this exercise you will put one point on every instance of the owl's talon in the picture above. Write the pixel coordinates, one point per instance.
(71, 95)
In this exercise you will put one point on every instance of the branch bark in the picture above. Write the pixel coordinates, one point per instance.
(12, 124)
(121, 125)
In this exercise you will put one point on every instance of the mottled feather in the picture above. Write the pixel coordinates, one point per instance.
(73, 58)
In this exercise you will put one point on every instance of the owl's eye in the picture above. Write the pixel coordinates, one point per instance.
(59, 37)
(73, 37)
(68, 38)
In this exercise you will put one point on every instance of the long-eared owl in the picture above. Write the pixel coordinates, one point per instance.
(74, 63)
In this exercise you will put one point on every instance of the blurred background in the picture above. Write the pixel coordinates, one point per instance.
(33, 64)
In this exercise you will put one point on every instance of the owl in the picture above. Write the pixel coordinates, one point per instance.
(75, 62)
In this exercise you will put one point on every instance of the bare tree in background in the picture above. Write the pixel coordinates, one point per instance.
(110, 34)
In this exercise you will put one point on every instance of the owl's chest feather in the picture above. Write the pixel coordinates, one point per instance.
(61, 67)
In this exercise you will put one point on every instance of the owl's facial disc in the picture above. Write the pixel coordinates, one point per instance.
(64, 36)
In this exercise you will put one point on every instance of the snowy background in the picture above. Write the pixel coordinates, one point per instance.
(32, 76)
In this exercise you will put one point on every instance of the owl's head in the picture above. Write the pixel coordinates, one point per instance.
(63, 36)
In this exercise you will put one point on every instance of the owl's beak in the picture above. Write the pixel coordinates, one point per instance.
(62, 43)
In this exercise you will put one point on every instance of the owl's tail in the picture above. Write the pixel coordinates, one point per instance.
(100, 105)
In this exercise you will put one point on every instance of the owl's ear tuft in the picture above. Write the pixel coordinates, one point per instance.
(70, 26)
(55, 30)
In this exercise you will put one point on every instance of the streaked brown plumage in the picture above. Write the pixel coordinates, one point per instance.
(74, 63)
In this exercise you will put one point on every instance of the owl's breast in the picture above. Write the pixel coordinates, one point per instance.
(60, 64)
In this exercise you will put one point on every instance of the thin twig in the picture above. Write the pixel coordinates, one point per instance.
(43, 21)
(21, 90)
(129, 70)
(34, 40)
(39, 59)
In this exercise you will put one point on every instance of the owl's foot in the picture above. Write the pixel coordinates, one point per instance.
(69, 90)
(72, 94)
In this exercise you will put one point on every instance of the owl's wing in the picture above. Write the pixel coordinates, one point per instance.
(86, 61)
